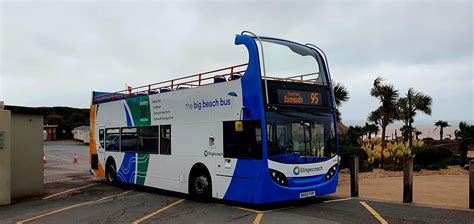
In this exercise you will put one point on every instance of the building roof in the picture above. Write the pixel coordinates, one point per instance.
(82, 128)
(50, 126)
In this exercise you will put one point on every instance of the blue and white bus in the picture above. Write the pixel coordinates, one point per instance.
(259, 132)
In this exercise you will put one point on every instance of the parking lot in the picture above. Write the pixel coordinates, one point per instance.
(72, 196)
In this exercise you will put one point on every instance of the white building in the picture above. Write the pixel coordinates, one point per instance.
(81, 133)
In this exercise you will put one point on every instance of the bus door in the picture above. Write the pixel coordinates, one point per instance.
(242, 141)
(242, 158)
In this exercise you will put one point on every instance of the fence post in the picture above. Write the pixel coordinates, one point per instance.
(408, 179)
(471, 184)
(354, 176)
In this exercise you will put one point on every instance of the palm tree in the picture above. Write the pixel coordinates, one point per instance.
(466, 136)
(341, 95)
(371, 128)
(408, 106)
(417, 133)
(387, 95)
(406, 129)
(441, 124)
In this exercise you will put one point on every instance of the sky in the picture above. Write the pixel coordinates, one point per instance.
(54, 53)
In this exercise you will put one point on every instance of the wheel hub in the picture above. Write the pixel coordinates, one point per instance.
(201, 184)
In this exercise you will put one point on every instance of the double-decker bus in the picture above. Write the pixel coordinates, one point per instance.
(259, 132)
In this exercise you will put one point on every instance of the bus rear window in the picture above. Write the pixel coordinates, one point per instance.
(245, 143)
(101, 138)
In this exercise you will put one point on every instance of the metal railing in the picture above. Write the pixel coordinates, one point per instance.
(196, 80)
(305, 78)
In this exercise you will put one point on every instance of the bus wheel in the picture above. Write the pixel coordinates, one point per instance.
(111, 173)
(201, 186)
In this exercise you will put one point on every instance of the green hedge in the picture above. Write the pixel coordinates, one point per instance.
(416, 167)
(434, 158)
(393, 167)
(346, 151)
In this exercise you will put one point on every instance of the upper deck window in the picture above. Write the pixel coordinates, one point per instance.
(285, 59)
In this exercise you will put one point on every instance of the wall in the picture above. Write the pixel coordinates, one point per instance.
(5, 158)
(81, 135)
(26, 155)
(85, 137)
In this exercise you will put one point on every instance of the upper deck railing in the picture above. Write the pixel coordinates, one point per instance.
(200, 79)
(305, 78)
(196, 80)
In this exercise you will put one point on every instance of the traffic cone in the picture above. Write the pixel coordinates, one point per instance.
(44, 159)
(74, 159)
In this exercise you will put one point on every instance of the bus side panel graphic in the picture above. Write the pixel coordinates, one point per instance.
(140, 110)
(127, 172)
(142, 167)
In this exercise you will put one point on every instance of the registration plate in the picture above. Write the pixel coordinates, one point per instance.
(307, 194)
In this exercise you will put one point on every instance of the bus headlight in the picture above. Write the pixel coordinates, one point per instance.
(332, 171)
(278, 177)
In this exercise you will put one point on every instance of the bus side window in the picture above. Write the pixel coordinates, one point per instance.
(129, 140)
(101, 138)
(165, 139)
(244, 144)
(112, 139)
(148, 139)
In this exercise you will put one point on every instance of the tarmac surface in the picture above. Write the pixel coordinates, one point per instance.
(72, 196)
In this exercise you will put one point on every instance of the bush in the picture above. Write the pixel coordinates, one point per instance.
(416, 167)
(436, 166)
(425, 156)
(347, 151)
(454, 161)
(393, 167)
(376, 163)
(366, 167)
(393, 153)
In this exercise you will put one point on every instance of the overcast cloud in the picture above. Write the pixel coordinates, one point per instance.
(56, 53)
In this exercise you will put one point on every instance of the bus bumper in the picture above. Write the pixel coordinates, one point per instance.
(270, 192)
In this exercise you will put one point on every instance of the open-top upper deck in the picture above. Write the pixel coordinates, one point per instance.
(280, 66)
(191, 81)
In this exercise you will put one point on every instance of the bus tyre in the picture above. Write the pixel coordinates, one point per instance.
(111, 173)
(201, 186)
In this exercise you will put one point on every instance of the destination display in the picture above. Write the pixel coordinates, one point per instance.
(297, 97)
